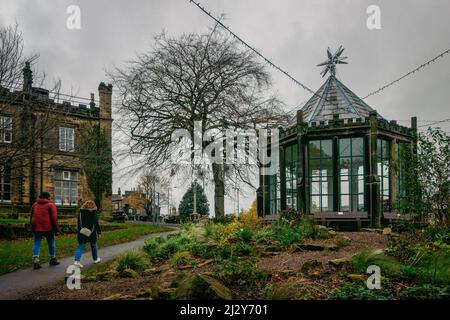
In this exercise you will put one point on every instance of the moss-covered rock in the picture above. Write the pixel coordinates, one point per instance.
(342, 241)
(342, 264)
(287, 291)
(312, 267)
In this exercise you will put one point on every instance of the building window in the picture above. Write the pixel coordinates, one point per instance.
(66, 191)
(5, 129)
(274, 193)
(383, 173)
(66, 139)
(351, 175)
(320, 159)
(5, 183)
(402, 152)
(290, 163)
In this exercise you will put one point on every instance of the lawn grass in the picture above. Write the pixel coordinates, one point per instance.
(16, 254)
(13, 221)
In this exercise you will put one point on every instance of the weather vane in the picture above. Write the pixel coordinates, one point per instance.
(333, 60)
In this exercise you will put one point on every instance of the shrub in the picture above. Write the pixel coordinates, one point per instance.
(133, 259)
(7, 232)
(263, 234)
(228, 218)
(425, 292)
(223, 251)
(309, 229)
(199, 250)
(365, 258)
(159, 249)
(433, 267)
(167, 249)
(289, 235)
(151, 245)
(409, 273)
(357, 292)
(437, 234)
(403, 226)
(181, 258)
(290, 215)
(210, 229)
(404, 249)
(229, 231)
(243, 249)
(249, 219)
(236, 273)
(246, 234)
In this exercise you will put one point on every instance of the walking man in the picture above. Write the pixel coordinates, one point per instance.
(44, 223)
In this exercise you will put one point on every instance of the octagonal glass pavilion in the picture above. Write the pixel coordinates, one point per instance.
(340, 161)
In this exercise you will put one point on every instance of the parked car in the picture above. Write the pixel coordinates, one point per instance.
(119, 216)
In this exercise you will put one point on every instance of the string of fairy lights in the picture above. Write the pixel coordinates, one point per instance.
(305, 87)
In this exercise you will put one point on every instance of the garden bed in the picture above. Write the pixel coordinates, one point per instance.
(245, 259)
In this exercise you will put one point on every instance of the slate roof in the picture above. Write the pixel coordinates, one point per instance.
(334, 97)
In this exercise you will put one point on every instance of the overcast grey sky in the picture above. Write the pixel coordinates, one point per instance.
(293, 33)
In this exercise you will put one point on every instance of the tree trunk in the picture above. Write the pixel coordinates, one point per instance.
(219, 190)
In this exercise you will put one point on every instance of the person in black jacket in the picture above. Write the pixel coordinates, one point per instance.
(87, 219)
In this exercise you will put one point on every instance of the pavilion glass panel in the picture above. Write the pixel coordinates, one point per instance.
(320, 175)
(351, 175)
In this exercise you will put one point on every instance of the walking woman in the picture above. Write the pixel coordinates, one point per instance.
(88, 229)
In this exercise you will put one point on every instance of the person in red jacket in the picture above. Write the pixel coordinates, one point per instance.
(44, 223)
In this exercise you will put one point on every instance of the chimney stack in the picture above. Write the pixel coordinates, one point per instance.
(105, 97)
(27, 78)
(92, 103)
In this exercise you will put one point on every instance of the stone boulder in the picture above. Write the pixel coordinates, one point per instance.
(312, 267)
(342, 264)
(312, 247)
(358, 278)
(331, 247)
(342, 241)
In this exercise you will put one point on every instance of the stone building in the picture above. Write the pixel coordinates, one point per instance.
(44, 147)
(339, 160)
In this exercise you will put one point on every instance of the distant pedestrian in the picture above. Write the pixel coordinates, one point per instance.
(44, 223)
(88, 229)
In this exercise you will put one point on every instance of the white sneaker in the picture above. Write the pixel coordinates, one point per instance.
(78, 264)
(97, 261)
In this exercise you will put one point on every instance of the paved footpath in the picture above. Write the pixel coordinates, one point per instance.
(14, 284)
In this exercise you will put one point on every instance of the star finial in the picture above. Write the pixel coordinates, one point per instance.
(333, 60)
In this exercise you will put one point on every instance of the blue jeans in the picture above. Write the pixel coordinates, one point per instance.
(80, 250)
(50, 237)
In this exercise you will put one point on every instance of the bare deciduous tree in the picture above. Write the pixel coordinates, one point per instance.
(206, 78)
(151, 183)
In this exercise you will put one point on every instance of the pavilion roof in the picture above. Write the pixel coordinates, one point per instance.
(333, 97)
